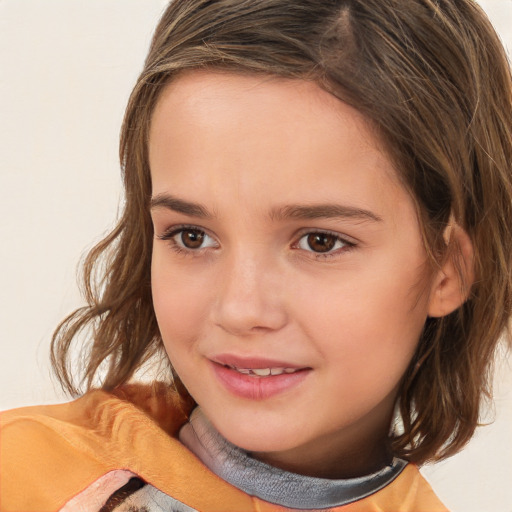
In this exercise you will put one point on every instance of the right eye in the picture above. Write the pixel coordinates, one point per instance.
(191, 239)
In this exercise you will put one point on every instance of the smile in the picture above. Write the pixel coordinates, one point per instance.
(263, 372)
(257, 379)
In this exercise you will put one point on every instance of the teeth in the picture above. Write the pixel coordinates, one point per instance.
(261, 372)
(264, 372)
(279, 371)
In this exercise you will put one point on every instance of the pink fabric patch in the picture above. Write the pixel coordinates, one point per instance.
(95, 496)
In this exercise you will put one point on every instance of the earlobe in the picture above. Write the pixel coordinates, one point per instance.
(452, 283)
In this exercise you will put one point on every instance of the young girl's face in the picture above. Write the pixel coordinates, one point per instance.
(289, 275)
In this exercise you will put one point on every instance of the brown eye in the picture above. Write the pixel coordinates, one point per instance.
(191, 238)
(321, 242)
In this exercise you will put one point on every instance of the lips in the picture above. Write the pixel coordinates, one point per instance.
(257, 378)
(263, 372)
(251, 363)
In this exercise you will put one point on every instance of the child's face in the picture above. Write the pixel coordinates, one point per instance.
(283, 239)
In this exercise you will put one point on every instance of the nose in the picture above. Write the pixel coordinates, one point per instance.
(249, 298)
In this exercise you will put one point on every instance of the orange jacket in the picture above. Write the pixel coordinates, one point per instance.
(51, 454)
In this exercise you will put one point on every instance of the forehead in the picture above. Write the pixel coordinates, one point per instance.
(216, 130)
(264, 97)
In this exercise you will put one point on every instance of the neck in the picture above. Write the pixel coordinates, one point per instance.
(286, 488)
(354, 460)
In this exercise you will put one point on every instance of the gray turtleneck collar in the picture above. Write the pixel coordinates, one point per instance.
(274, 485)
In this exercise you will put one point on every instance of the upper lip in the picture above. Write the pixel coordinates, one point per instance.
(252, 362)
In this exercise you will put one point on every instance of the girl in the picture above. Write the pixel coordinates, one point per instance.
(316, 230)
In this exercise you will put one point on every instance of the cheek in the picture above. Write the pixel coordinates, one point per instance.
(179, 301)
(368, 326)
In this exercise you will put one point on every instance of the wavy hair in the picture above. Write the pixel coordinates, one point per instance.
(433, 79)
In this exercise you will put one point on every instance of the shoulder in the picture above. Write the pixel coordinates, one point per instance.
(410, 492)
(50, 453)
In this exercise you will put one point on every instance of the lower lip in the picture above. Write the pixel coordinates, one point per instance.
(255, 387)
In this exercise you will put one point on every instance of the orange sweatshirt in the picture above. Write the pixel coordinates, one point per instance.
(124, 446)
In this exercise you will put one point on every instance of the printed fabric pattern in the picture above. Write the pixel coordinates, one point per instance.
(134, 495)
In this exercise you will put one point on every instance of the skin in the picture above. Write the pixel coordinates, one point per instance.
(245, 148)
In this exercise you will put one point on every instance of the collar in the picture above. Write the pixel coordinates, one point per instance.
(274, 485)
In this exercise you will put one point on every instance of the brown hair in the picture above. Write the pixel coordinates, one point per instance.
(433, 78)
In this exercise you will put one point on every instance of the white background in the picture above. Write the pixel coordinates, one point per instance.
(66, 70)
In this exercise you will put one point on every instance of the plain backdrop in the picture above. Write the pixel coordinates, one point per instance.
(66, 70)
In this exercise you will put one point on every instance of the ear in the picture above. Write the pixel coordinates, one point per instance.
(452, 282)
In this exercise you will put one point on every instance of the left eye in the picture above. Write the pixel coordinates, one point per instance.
(321, 242)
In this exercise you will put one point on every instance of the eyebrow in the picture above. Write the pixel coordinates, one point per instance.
(322, 211)
(179, 205)
(299, 212)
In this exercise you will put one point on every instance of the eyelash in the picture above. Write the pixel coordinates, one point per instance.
(347, 244)
(169, 234)
(172, 232)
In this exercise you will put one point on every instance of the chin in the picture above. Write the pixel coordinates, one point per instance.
(257, 437)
